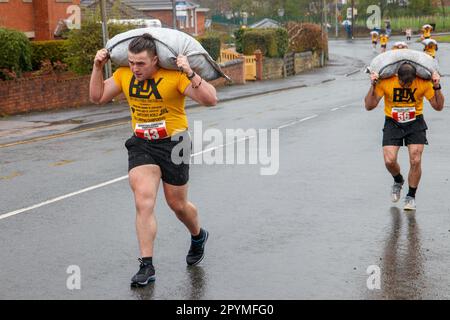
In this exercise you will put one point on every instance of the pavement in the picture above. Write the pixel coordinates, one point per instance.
(39, 125)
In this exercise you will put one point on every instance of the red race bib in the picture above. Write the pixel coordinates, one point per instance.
(402, 115)
(151, 130)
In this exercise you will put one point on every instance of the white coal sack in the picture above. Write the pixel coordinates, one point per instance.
(386, 64)
(169, 44)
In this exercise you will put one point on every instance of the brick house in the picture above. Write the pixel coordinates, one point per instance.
(36, 18)
(191, 17)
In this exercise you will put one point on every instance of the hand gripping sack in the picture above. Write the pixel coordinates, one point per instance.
(169, 44)
(387, 63)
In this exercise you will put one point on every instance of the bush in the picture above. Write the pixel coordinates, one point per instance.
(211, 43)
(238, 34)
(15, 51)
(282, 37)
(83, 44)
(305, 37)
(53, 50)
(262, 39)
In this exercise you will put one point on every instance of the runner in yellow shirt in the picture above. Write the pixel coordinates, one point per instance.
(426, 29)
(404, 124)
(156, 98)
(374, 37)
(431, 47)
(383, 42)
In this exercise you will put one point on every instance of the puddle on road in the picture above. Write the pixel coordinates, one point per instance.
(61, 163)
(11, 176)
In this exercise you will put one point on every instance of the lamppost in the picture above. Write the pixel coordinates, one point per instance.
(105, 35)
(244, 17)
(229, 15)
(281, 14)
(174, 14)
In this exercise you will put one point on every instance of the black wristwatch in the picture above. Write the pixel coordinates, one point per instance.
(438, 88)
(190, 77)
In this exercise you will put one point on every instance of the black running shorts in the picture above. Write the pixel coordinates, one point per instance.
(383, 46)
(159, 152)
(403, 134)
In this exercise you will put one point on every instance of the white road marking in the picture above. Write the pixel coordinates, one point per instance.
(69, 195)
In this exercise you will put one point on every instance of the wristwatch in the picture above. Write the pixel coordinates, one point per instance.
(191, 76)
(438, 88)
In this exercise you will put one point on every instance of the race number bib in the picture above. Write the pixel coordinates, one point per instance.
(151, 130)
(403, 115)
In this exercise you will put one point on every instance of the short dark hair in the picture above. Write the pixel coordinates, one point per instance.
(406, 73)
(141, 43)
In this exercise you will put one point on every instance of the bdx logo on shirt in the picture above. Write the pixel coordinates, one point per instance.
(404, 95)
(144, 89)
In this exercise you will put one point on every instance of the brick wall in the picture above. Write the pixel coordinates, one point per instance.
(43, 93)
(54, 92)
(235, 69)
(17, 15)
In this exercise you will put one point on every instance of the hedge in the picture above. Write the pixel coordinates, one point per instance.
(305, 37)
(15, 51)
(211, 43)
(271, 42)
(53, 50)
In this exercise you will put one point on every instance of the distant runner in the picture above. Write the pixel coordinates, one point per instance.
(400, 45)
(374, 36)
(408, 33)
(426, 29)
(383, 42)
(431, 47)
(404, 124)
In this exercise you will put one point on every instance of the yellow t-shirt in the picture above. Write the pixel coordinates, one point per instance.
(384, 40)
(430, 49)
(397, 97)
(155, 103)
(374, 37)
(427, 33)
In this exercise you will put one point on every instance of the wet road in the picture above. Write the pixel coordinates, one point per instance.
(308, 232)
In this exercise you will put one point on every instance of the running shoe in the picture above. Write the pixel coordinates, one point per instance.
(410, 203)
(396, 189)
(145, 274)
(197, 250)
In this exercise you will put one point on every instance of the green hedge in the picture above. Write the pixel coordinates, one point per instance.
(282, 38)
(238, 34)
(15, 51)
(264, 40)
(273, 43)
(212, 45)
(83, 44)
(53, 50)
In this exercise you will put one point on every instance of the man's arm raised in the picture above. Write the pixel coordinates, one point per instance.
(437, 102)
(201, 91)
(371, 100)
(101, 91)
